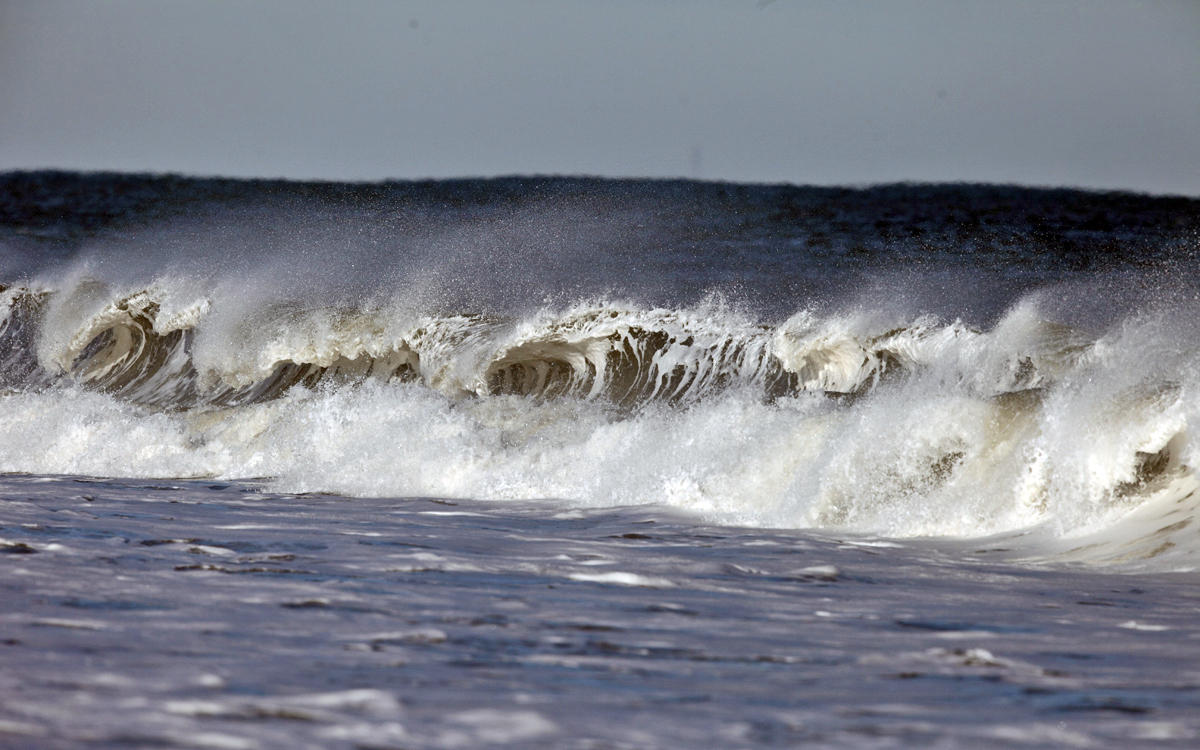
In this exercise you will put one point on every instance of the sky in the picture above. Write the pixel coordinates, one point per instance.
(1086, 93)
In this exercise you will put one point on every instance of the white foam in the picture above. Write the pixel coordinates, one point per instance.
(623, 578)
(976, 433)
(493, 726)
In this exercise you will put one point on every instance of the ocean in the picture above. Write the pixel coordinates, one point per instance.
(569, 462)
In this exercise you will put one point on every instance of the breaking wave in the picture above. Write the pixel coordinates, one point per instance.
(963, 361)
(623, 355)
(849, 421)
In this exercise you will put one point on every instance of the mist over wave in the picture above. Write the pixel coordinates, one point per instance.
(904, 360)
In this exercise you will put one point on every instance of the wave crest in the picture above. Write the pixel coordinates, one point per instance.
(621, 354)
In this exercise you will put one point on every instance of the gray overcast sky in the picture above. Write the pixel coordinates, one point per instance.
(1065, 92)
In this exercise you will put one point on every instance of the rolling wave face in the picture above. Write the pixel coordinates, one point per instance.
(620, 354)
(19, 309)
